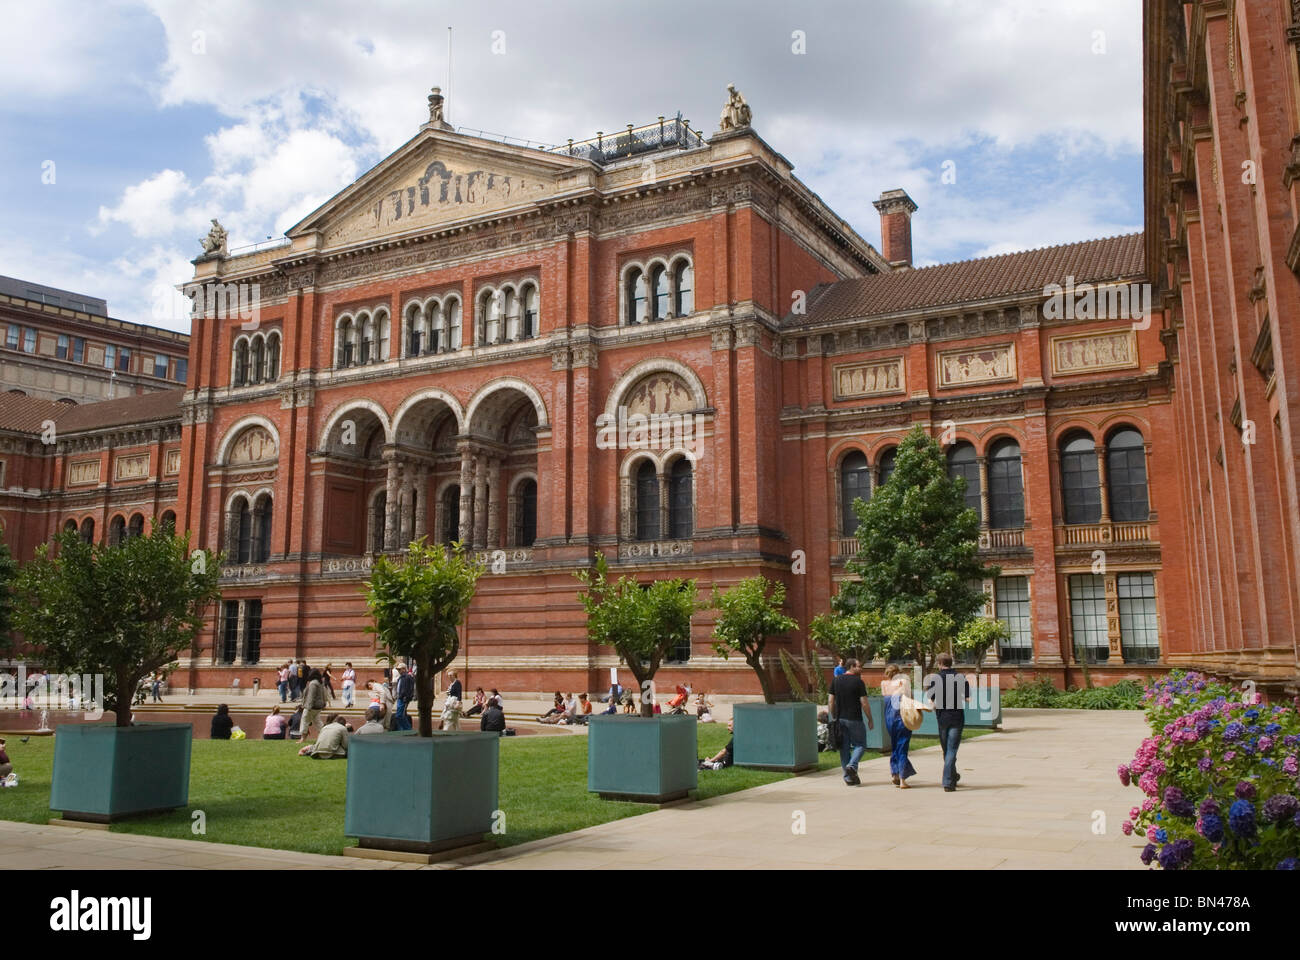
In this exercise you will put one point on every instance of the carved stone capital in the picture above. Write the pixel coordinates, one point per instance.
(722, 338)
(585, 355)
(747, 334)
(560, 358)
(1029, 315)
(916, 330)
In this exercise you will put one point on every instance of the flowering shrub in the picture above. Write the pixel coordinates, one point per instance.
(1219, 774)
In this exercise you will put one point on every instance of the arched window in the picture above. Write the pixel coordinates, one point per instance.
(347, 343)
(273, 357)
(681, 500)
(636, 296)
(647, 502)
(962, 463)
(511, 299)
(490, 317)
(453, 325)
(885, 468)
(70, 526)
(526, 513)
(241, 364)
(451, 514)
(530, 312)
(136, 526)
(414, 330)
(1126, 476)
(659, 282)
(262, 539)
(243, 532)
(257, 364)
(683, 279)
(855, 484)
(1080, 483)
(168, 521)
(116, 531)
(88, 530)
(435, 340)
(367, 338)
(1006, 486)
(381, 335)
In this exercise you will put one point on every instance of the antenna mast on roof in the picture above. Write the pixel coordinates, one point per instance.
(449, 64)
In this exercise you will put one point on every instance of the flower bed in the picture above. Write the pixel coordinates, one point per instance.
(1220, 777)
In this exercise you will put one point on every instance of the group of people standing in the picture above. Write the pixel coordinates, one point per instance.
(849, 709)
(292, 680)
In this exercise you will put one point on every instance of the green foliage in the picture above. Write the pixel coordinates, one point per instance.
(1042, 694)
(748, 614)
(858, 635)
(8, 574)
(418, 601)
(978, 636)
(642, 623)
(1031, 694)
(917, 543)
(918, 637)
(117, 611)
(812, 687)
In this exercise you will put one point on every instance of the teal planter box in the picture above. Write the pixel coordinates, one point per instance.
(878, 737)
(975, 716)
(421, 794)
(649, 759)
(104, 772)
(775, 736)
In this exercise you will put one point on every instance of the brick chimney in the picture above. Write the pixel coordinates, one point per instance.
(896, 209)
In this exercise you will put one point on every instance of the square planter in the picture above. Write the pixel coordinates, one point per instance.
(648, 759)
(878, 736)
(776, 736)
(104, 772)
(421, 794)
(975, 716)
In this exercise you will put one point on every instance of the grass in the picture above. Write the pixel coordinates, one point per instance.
(260, 793)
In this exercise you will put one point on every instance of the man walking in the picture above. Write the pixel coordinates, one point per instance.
(313, 702)
(404, 694)
(950, 699)
(849, 706)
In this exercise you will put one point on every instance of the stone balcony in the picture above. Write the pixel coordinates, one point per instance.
(1089, 534)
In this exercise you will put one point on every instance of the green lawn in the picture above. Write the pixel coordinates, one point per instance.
(260, 793)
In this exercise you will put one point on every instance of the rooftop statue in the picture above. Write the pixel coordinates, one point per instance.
(735, 112)
(214, 244)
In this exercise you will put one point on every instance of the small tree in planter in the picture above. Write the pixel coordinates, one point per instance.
(978, 637)
(643, 624)
(919, 638)
(749, 613)
(117, 611)
(418, 601)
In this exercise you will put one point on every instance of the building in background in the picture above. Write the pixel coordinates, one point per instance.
(63, 346)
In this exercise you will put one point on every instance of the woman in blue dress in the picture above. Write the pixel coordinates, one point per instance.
(895, 686)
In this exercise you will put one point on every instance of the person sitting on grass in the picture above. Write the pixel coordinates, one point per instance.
(703, 709)
(295, 724)
(560, 713)
(374, 722)
(724, 757)
(556, 709)
(221, 724)
(6, 767)
(332, 744)
(451, 714)
(584, 708)
(275, 726)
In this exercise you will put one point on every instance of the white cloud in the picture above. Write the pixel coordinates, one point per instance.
(150, 208)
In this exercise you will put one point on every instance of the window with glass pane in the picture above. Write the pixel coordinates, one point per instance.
(659, 281)
(1126, 476)
(1006, 487)
(530, 312)
(124, 359)
(886, 467)
(1139, 628)
(453, 337)
(855, 484)
(252, 631)
(61, 348)
(451, 514)
(263, 546)
(1088, 617)
(244, 536)
(78, 350)
(88, 530)
(647, 502)
(230, 632)
(160, 366)
(29, 340)
(182, 369)
(636, 297)
(681, 521)
(526, 514)
(136, 527)
(683, 277)
(962, 463)
(116, 531)
(1080, 481)
(11, 336)
(1011, 605)
(110, 357)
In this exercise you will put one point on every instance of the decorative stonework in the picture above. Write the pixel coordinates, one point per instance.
(654, 549)
(133, 467)
(747, 334)
(721, 339)
(82, 472)
(1094, 352)
(254, 445)
(659, 393)
(873, 379)
(172, 463)
(959, 368)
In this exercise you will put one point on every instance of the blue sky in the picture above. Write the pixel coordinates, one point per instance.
(159, 115)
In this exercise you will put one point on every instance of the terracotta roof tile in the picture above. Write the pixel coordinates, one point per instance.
(26, 414)
(138, 408)
(967, 281)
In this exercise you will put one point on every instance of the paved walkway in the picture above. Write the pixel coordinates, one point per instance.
(1029, 800)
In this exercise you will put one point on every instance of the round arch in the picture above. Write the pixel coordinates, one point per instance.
(429, 393)
(505, 383)
(359, 404)
(238, 427)
(656, 365)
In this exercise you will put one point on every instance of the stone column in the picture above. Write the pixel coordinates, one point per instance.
(421, 503)
(480, 503)
(494, 504)
(390, 503)
(512, 519)
(408, 487)
(1101, 479)
(984, 491)
(665, 528)
(466, 495)
(625, 507)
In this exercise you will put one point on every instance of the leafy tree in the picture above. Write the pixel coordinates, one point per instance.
(643, 624)
(749, 613)
(117, 611)
(918, 637)
(417, 602)
(917, 553)
(978, 637)
(857, 635)
(8, 574)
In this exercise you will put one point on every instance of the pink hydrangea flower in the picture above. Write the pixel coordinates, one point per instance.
(1126, 827)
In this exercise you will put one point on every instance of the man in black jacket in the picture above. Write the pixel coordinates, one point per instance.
(404, 694)
(494, 718)
(950, 697)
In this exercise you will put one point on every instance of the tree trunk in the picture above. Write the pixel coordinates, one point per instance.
(755, 661)
(125, 694)
(424, 692)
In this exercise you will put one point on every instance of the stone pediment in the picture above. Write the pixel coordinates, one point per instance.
(437, 178)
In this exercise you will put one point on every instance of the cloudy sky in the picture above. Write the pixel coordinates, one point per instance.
(127, 125)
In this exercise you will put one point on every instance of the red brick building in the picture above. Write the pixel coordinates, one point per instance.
(661, 346)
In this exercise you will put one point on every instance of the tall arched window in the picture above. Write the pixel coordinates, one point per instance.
(1080, 482)
(70, 526)
(490, 317)
(116, 531)
(436, 338)
(168, 520)
(647, 502)
(347, 343)
(1126, 476)
(526, 513)
(88, 530)
(512, 318)
(414, 330)
(262, 541)
(1006, 486)
(451, 514)
(681, 500)
(962, 463)
(453, 325)
(530, 312)
(241, 364)
(257, 362)
(683, 279)
(636, 296)
(381, 336)
(243, 532)
(885, 469)
(659, 283)
(136, 527)
(273, 357)
(855, 484)
(367, 338)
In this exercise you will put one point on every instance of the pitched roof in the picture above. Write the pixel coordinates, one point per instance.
(137, 408)
(1028, 271)
(27, 414)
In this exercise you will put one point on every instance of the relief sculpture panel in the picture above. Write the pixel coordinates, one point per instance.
(1094, 352)
(873, 379)
(959, 368)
